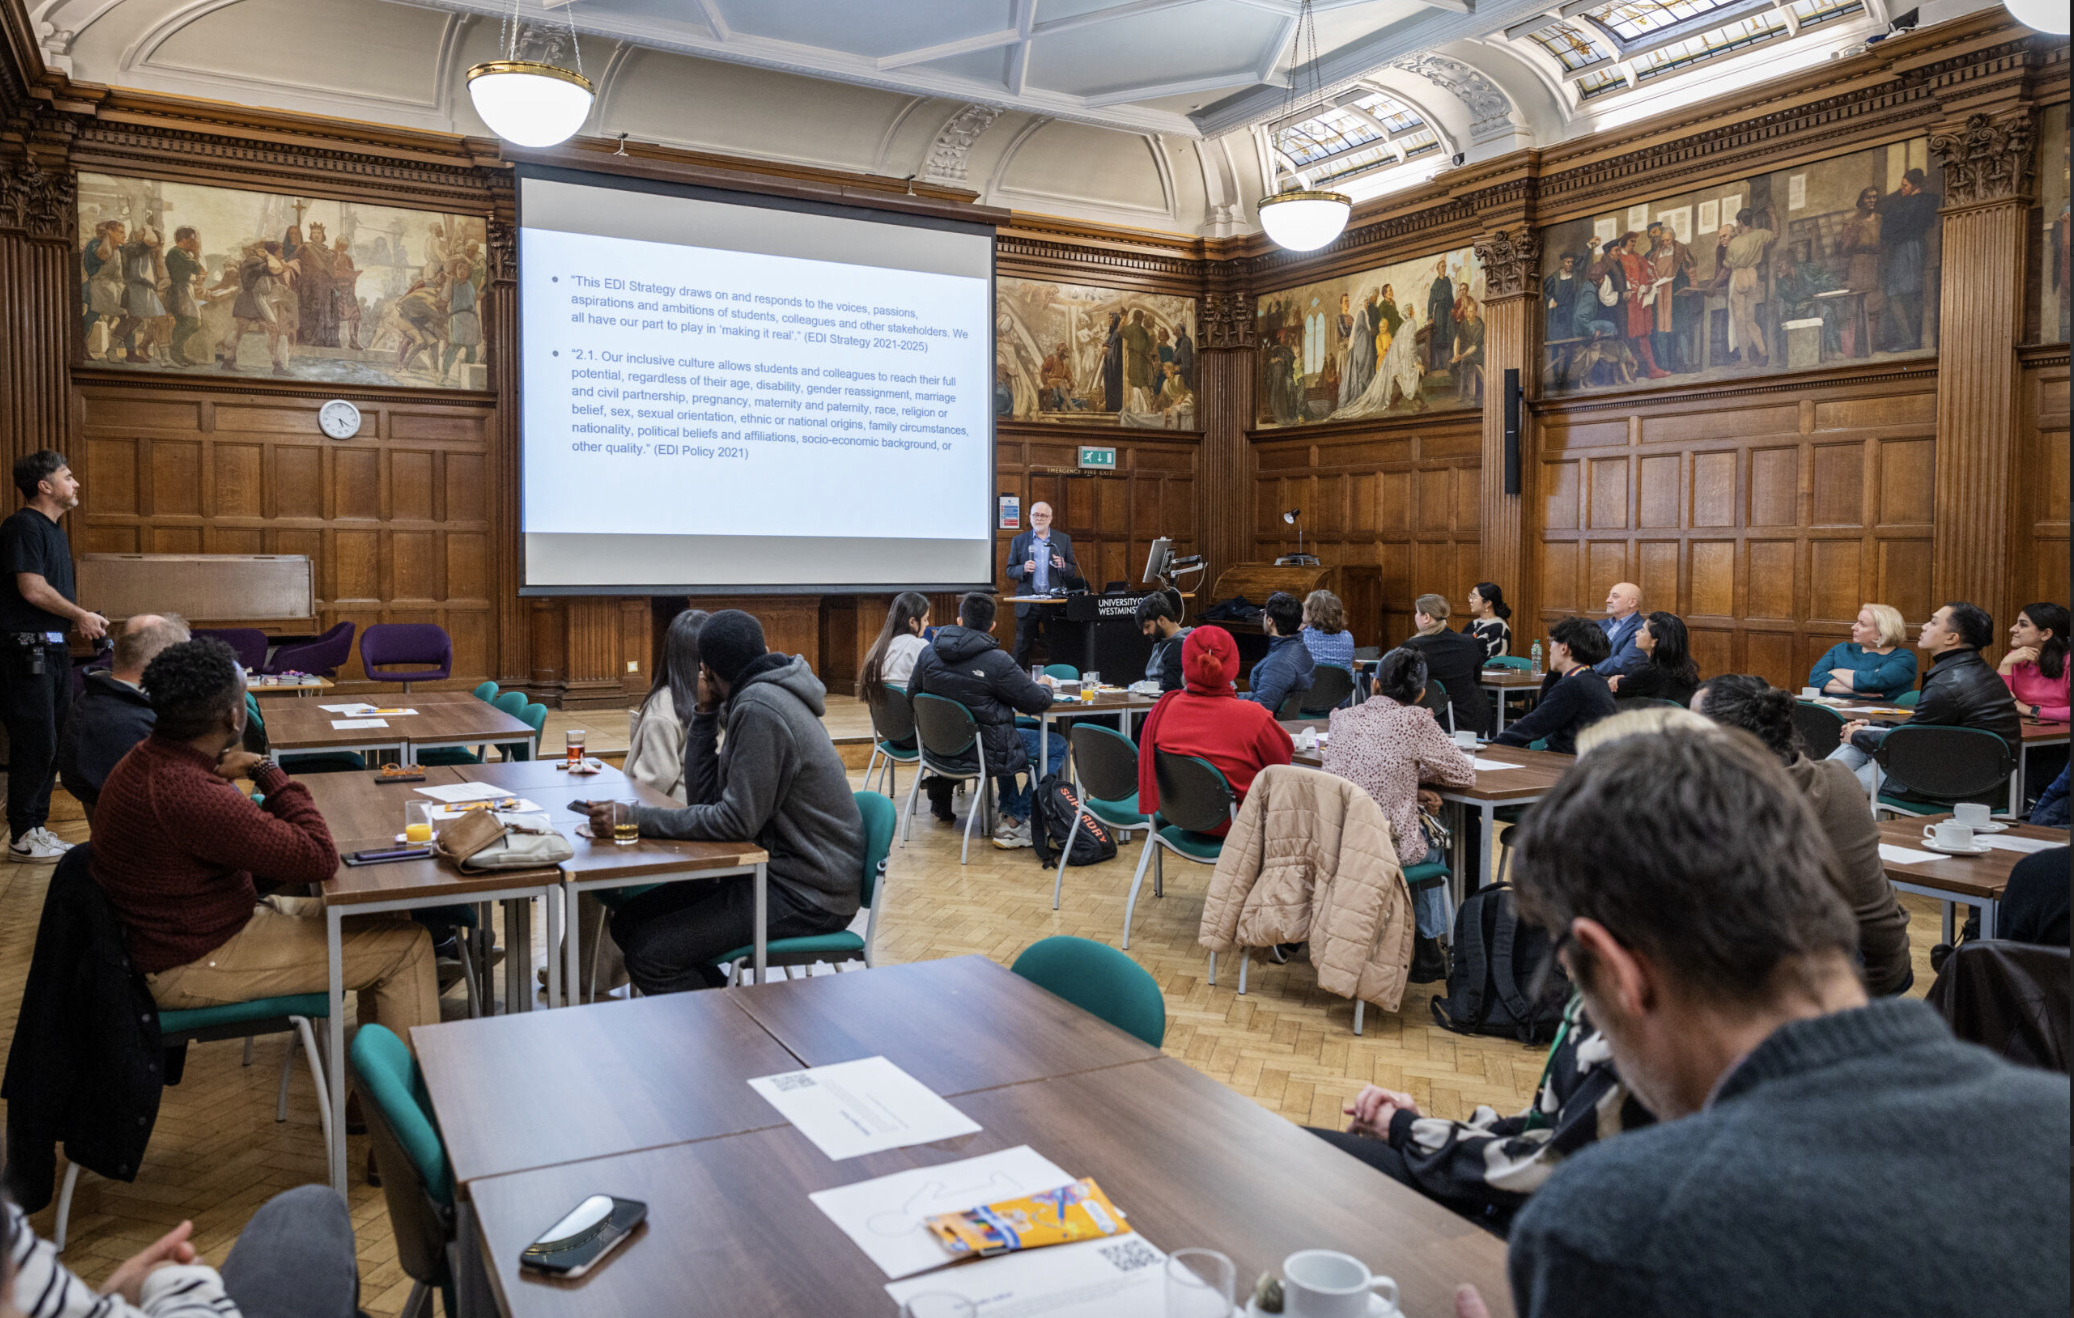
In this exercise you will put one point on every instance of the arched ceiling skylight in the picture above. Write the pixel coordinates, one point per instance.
(1360, 132)
(1605, 46)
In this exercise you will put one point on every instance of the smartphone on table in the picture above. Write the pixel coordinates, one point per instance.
(584, 1235)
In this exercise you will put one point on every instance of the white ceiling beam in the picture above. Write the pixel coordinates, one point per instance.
(965, 46)
(1125, 95)
(709, 14)
(1532, 25)
(1054, 26)
(1019, 58)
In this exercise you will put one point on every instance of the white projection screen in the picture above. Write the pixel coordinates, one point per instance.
(727, 393)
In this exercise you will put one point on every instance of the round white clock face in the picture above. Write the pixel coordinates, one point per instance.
(339, 419)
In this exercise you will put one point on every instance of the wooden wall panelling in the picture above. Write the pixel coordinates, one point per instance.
(1512, 322)
(2040, 569)
(1761, 518)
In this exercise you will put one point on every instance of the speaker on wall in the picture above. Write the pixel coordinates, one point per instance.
(1512, 424)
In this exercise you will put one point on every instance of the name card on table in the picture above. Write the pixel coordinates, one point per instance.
(850, 1109)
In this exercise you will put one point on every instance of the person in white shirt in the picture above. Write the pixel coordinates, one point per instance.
(655, 741)
(892, 656)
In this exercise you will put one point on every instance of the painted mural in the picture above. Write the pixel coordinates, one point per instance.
(1403, 339)
(186, 279)
(1079, 353)
(2054, 301)
(1823, 264)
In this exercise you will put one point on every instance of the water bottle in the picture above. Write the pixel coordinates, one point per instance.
(1536, 671)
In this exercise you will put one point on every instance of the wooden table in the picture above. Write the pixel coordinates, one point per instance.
(444, 719)
(1975, 881)
(1503, 683)
(1122, 705)
(730, 1229)
(259, 687)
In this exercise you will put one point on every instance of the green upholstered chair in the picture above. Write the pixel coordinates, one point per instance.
(1939, 767)
(417, 1180)
(1099, 980)
(1194, 798)
(1510, 661)
(1105, 763)
(880, 817)
(892, 736)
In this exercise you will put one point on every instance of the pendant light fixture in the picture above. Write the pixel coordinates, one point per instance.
(2040, 15)
(1301, 218)
(531, 102)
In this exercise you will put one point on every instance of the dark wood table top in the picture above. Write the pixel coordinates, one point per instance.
(730, 1230)
(1536, 773)
(956, 1025)
(1106, 702)
(1509, 678)
(1970, 876)
(2040, 731)
(532, 1089)
(442, 716)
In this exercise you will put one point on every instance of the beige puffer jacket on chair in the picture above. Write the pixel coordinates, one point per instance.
(1310, 859)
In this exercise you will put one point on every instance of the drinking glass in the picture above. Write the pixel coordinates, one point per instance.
(573, 740)
(938, 1304)
(625, 830)
(417, 822)
(1200, 1284)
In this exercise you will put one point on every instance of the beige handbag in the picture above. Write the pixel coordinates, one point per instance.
(484, 840)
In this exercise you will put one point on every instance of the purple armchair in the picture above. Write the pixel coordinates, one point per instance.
(248, 643)
(422, 643)
(323, 656)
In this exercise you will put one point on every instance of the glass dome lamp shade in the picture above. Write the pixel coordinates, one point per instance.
(1302, 219)
(2041, 15)
(528, 103)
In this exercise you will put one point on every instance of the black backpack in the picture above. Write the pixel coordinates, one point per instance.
(1052, 820)
(1496, 964)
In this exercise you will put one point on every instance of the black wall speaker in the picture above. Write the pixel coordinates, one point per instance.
(1512, 423)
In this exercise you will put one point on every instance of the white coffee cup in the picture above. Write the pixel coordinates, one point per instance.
(1952, 835)
(1324, 1283)
(1973, 814)
(1466, 740)
(1811, 693)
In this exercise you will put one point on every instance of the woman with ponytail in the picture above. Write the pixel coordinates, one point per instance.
(1205, 718)
(1487, 614)
(1740, 700)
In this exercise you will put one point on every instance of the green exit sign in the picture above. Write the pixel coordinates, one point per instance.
(1097, 459)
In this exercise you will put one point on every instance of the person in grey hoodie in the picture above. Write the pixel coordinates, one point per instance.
(777, 782)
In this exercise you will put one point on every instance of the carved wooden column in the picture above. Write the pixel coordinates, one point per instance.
(1512, 285)
(42, 299)
(512, 662)
(1987, 178)
(1225, 479)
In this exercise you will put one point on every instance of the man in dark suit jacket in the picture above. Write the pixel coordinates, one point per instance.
(1040, 562)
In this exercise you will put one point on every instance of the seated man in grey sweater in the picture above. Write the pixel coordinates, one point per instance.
(1806, 1160)
(777, 782)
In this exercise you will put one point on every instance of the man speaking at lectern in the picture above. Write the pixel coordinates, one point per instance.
(1040, 561)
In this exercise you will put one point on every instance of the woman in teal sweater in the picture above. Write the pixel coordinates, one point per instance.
(1875, 662)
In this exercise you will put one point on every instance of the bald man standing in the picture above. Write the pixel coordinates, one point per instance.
(114, 714)
(1623, 619)
(1040, 562)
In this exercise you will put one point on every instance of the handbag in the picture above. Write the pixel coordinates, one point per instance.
(484, 840)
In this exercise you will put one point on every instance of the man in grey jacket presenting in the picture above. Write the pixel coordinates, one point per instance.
(777, 782)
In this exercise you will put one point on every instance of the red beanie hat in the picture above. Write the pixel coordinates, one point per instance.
(1210, 661)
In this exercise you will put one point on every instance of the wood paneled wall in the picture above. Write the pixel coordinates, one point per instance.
(1405, 498)
(1764, 519)
(2041, 485)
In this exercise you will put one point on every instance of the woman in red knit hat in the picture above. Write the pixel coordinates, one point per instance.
(1205, 718)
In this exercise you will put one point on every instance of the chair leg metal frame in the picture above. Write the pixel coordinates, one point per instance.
(982, 801)
(569, 972)
(1154, 846)
(304, 1038)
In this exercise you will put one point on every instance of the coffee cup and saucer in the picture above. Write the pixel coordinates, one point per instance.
(1976, 816)
(1953, 837)
(1324, 1283)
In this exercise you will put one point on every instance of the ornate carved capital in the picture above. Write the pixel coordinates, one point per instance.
(1511, 264)
(503, 251)
(1227, 322)
(953, 144)
(37, 201)
(1987, 159)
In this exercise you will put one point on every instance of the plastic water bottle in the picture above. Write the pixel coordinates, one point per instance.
(1536, 671)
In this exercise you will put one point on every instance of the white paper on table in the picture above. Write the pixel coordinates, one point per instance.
(1894, 855)
(342, 724)
(465, 792)
(1485, 766)
(1119, 1278)
(2026, 845)
(867, 1106)
(354, 708)
(884, 1215)
(450, 812)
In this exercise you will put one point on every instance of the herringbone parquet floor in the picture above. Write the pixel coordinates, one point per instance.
(217, 1153)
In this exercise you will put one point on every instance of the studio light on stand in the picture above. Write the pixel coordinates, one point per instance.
(1298, 559)
(1301, 218)
(531, 102)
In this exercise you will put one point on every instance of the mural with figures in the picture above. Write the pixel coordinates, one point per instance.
(1822, 264)
(1106, 356)
(185, 279)
(1404, 339)
(2054, 302)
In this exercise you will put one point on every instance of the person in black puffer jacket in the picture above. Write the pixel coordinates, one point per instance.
(966, 664)
(1960, 690)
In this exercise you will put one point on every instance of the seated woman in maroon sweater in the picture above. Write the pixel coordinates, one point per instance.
(177, 848)
(1205, 718)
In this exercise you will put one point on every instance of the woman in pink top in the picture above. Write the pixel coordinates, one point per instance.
(1390, 745)
(2036, 666)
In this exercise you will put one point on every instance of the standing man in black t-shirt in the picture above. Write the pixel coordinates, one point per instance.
(36, 607)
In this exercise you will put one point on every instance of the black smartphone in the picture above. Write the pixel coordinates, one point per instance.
(386, 857)
(590, 1231)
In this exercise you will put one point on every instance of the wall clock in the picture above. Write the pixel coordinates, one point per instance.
(339, 419)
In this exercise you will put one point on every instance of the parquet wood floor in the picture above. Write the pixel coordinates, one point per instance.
(217, 1153)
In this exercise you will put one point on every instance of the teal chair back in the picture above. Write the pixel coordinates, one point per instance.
(252, 712)
(880, 819)
(388, 1076)
(1510, 661)
(536, 716)
(1907, 699)
(417, 1181)
(487, 692)
(1062, 672)
(512, 703)
(1098, 979)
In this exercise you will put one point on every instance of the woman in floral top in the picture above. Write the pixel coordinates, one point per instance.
(1390, 746)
